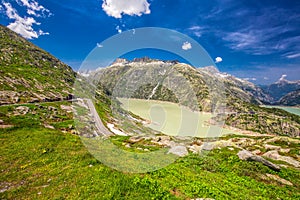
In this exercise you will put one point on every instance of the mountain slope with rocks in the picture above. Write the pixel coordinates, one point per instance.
(290, 99)
(30, 74)
(198, 78)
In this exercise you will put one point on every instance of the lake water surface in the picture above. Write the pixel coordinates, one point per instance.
(294, 110)
(172, 119)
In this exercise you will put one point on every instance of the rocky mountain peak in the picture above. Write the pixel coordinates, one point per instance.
(211, 69)
(120, 61)
(283, 81)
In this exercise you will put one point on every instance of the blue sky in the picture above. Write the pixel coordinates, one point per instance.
(257, 40)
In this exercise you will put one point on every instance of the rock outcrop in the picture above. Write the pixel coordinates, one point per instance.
(248, 156)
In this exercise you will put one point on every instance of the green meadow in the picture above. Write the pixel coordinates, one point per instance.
(42, 163)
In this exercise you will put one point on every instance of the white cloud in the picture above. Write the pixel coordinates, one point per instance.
(283, 76)
(250, 79)
(99, 45)
(186, 46)
(296, 55)
(31, 12)
(116, 8)
(33, 8)
(43, 33)
(241, 41)
(218, 60)
(22, 25)
(196, 30)
(118, 29)
(260, 41)
(266, 78)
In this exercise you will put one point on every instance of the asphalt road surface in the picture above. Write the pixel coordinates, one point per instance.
(102, 130)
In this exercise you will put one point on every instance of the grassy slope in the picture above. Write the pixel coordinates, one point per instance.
(39, 163)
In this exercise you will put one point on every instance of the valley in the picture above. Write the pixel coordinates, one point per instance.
(49, 114)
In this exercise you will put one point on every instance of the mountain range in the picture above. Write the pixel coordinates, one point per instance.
(160, 80)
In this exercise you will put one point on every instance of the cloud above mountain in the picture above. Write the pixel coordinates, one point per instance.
(117, 8)
(218, 59)
(186, 46)
(24, 25)
(282, 77)
(33, 8)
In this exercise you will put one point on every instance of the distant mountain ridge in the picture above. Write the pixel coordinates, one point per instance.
(290, 99)
(30, 74)
(280, 89)
(242, 88)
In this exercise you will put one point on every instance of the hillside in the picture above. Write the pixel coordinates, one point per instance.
(290, 99)
(240, 88)
(30, 74)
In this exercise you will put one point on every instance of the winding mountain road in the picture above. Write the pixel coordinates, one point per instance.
(102, 130)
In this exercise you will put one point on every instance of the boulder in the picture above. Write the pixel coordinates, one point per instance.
(48, 126)
(271, 147)
(284, 150)
(75, 132)
(248, 156)
(163, 141)
(282, 139)
(51, 108)
(277, 178)
(275, 156)
(197, 142)
(243, 142)
(256, 152)
(195, 148)
(135, 139)
(244, 154)
(21, 110)
(68, 109)
(179, 151)
(8, 97)
(208, 146)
